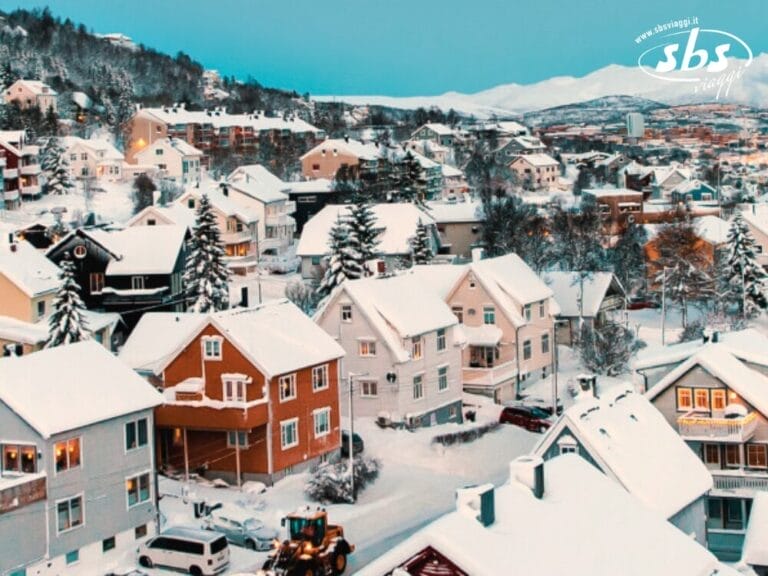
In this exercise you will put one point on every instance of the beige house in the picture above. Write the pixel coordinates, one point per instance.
(403, 350)
(29, 93)
(459, 225)
(756, 217)
(94, 158)
(536, 171)
(325, 159)
(174, 159)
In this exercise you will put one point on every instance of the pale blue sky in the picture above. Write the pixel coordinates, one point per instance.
(402, 47)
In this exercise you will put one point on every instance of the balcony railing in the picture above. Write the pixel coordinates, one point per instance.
(697, 427)
(9, 173)
(211, 415)
(31, 190)
(237, 237)
(740, 480)
(30, 169)
(485, 377)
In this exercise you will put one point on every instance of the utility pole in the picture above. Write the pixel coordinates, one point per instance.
(351, 441)
(555, 366)
(663, 305)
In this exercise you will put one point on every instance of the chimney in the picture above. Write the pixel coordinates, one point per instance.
(587, 383)
(715, 336)
(346, 138)
(529, 471)
(477, 502)
(477, 254)
(244, 296)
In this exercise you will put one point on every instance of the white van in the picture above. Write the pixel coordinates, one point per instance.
(199, 552)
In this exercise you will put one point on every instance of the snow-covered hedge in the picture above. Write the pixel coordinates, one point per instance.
(465, 436)
(331, 483)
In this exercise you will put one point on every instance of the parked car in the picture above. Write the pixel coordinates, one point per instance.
(539, 403)
(241, 528)
(528, 417)
(198, 552)
(357, 444)
(641, 302)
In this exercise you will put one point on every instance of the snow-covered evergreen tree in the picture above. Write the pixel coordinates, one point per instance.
(421, 247)
(608, 348)
(748, 280)
(362, 223)
(66, 324)
(206, 276)
(628, 257)
(344, 261)
(56, 168)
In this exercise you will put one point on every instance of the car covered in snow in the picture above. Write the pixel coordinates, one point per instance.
(529, 417)
(241, 527)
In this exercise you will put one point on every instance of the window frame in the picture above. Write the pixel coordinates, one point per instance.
(237, 385)
(489, 312)
(324, 411)
(370, 345)
(542, 307)
(417, 347)
(69, 467)
(369, 383)
(679, 390)
(291, 379)
(701, 393)
(79, 496)
(728, 463)
(324, 380)
(545, 344)
(442, 376)
(721, 395)
(239, 434)
(528, 312)
(137, 479)
(527, 349)
(137, 283)
(205, 340)
(136, 422)
(417, 386)
(748, 458)
(709, 449)
(442, 340)
(285, 424)
(345, 313)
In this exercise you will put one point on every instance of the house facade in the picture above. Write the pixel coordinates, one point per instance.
(21, 169)
(325, 159)
(173, 158)
(459, 225)
(249, 393)
(77, 477)
(403, 355)
(97, 159)
(29, 93)
(435, 132)
(535, 171)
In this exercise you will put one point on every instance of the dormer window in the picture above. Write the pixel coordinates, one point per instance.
(212, 347)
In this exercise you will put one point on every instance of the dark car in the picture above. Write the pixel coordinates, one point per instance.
(357, 444)
(641, 303)
(528, 417)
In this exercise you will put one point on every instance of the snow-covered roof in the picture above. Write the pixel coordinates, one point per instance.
(713, 229)
(319, 186)
(14, 330)
(583, 525)
(694, 184)
(142, 249)
(28, 268)
(52, 392)
(569, 288)
(438, 278)
(256, 181)
(719, 360)
(399, 222)
(35, 86)
(631, 441)
(221, 119)
(537, 160)
(156, 337)
(451, 171)
(97, 145)
(484, 335)
(221, 202)
(443, 211)
(177, 144)
(757, 217)
(755, 551)
(166, 215)
(437, 128)
(608, 192)
(346, 146)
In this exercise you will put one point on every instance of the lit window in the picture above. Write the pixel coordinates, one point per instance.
(418, 387)
(69, 514)
(527, 350)
(416, 350)
(367, 348)
(441, 339)
(346, 312)
(684, 399)
(369, 389)
(289, 433)
(136, 434)
(545, 344)
(322, 421)
(701, 399)
(137, 488)
(489, 315)
(234, 390)
(237, 438)
(718, 399)
(19, 459)
(287, 386)
(442, 379)
(67, 454)
(320, 377)
(212, 348)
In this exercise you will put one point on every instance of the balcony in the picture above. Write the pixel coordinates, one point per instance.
(17, 490)
(210, 414)
(739, 480)
(488, 377)
(10, 195)
(31, 190)
(10, 173)
(701, 428)
(30, 170)
(281, 219)
(237, 237)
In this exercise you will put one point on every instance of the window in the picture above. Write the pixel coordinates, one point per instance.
(322, 420)
(442, 379)
(69, 514)
(72, 557)
(237, 438)
(527, 312)
(756, 456)
(453, 411)
(711, 454)
(416, 350)
(19, 459)
(346, 312)
(472, 282)
(140, 531)
(367, 348)
(489, 315)
(545, 344)
(684, 399)
(67, 454)
(701, 399)
(441, 339)
(541, 309)
(158, 151)
(84, 156)
(718, 399)
(41, 308)
(136, 434)
(418, 387)
(732, 456)
(568, 449)
(137, 488)
(287, 385)
(137, 282)
(73, 157)
(288, 433)
(108, 544)
(151, 221)
(212, 348)
(234, 390)
(369, 389)
(96, 282)
(320, 377)
(458, 311)
(527, 350)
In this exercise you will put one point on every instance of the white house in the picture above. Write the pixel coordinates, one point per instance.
(94, 158)
(174, 159)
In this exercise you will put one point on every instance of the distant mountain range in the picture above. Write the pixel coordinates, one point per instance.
(515, 99)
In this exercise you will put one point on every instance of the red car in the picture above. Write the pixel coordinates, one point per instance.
(528, 417)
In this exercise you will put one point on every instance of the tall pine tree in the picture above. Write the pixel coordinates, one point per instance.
(421, 247)
(206, 276)
(66, 324)
(56, 168)
(748, 280)
(344, 259)
(628, 257)
(362, 223)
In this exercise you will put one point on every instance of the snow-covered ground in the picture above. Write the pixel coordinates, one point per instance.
(272, 286)
(416, 485)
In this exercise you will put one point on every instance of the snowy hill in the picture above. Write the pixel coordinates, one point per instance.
(508, 99)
